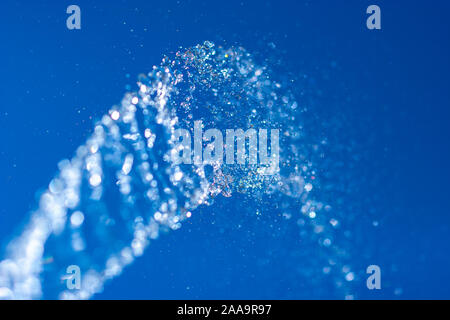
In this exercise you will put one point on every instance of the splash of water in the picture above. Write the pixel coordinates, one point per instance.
(122, 189)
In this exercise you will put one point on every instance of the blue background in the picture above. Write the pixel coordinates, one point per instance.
(55, 82)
